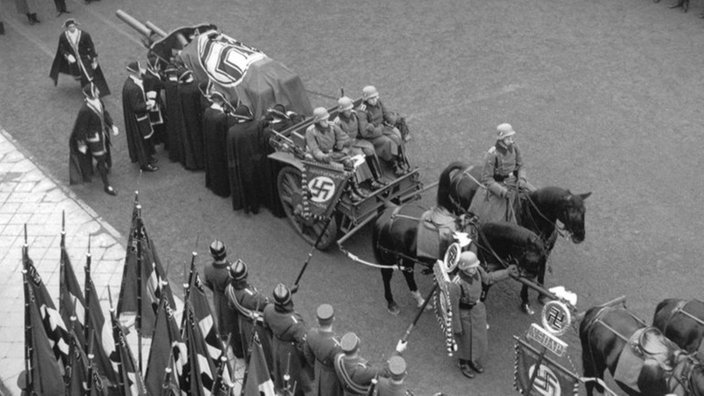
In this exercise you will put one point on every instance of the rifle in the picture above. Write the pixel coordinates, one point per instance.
(372, 387)
(288, 145)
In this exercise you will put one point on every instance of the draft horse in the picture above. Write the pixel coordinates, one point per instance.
(538, 211)
(657, 366)
(394, 242)
(682, 321)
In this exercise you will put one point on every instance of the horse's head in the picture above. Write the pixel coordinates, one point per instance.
(571, 215)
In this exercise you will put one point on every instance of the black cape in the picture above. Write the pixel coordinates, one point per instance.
(174, 119)
(84, 70)
(153, 82)
(137, 126)
(192, 138)
(80, 166)
(215, 127)
(244, 157)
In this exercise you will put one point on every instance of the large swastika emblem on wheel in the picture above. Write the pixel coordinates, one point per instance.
(321, 188)
(546, 382)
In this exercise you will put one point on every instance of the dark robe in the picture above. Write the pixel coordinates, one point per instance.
(85, 55)
(174, 121)
(268, 190)
(89, 125)
(243, 159)
(215, 126)
(138, 129)
(157, 116)
(192, 139)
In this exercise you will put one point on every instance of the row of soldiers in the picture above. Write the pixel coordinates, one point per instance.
(302, 360)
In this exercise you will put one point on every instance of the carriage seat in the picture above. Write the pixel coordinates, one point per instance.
(435, 232)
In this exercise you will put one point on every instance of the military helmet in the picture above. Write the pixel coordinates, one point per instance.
(238, 270)
(282, 295)
(345, 103)
(369, 92)
(320, 114)
(217, 250)
(468, 260)
(504, 130)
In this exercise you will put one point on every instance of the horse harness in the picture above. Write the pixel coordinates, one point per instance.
(684, 378)
(680, 308)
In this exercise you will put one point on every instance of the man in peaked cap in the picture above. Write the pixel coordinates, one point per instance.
(76, 56)
(90, 139)
(471, 337)
(138, 128)
(354, 372)
(289, 334)
(249, 304)
(320, 349)
(502, 175)
(217, 277)
(393, 385)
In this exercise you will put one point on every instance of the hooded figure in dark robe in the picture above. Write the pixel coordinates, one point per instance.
(76, 56)
(192, 138)
(243, 161)
(90, 140)
(216, 122)
(174, 116)
(153, 86)
(138, 129)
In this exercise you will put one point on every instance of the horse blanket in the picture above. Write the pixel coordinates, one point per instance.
(435, 230)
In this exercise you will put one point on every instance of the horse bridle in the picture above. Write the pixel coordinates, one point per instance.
(685, 377)
(559, 230)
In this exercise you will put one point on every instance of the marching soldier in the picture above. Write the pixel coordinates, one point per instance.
(291, 373)
(354, 372)
(217, 278)
(472, 335)
(249, 303)
(320, 349)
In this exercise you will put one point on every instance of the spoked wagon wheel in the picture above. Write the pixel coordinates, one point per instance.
(290, 193)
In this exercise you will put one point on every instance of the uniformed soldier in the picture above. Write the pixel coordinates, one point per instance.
(217, 277)
(471, 337)
(320, 349)
(292, 376)
(393, 386)
(249, 303)
(502, 174)
(355, 373)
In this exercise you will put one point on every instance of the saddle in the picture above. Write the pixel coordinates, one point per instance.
(646, 344)
(435, 232)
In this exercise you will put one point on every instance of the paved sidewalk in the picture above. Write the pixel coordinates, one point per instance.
(30, 196)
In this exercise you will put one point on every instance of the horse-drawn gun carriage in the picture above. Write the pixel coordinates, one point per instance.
(314, 195)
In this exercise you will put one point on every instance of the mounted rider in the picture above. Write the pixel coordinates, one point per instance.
(502, 176)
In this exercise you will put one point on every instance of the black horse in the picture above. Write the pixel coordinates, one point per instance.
(395, 232)
(682, 321)
(538, 210)
(605, 333)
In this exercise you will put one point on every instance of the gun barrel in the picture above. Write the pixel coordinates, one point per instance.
(155, 28)
(134, 23)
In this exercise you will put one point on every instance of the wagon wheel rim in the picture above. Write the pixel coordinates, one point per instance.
(289, 183)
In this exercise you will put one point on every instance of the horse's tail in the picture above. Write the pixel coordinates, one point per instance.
(443, 198)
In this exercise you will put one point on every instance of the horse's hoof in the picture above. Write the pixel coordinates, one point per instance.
(393, 308)
(526, 308)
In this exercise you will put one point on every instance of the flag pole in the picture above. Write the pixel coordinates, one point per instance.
(138, 322)
(115, 331)
(88, 389)
(86, 320)
(28, 342)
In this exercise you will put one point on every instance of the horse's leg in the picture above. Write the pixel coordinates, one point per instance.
(542, 298)
(590, 371)
(411, 282)
(386, 274)
(525, 304)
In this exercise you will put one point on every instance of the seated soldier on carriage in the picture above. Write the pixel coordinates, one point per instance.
(386, 130)
(503, 174)
(349, 121)
(326, 142)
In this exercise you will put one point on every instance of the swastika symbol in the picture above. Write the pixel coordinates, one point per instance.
(546, 382)
(556, 317)
(321, 189)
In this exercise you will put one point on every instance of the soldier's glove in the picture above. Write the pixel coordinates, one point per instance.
(401, 346)
(71, 58)
(82, 148)
(115, 131)
(513, 270)
(94, 64)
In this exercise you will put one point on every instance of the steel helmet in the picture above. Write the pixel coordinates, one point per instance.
(369, 92)
(217, 250)
(504, 130)
(282, 295)
(320, 114)
(345, 103)
(468, 260)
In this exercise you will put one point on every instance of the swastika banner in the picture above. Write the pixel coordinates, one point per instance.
(551, 379)
(324, 183)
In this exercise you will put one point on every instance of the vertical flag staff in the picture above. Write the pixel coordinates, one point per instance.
(28, 344)
(88, 285)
